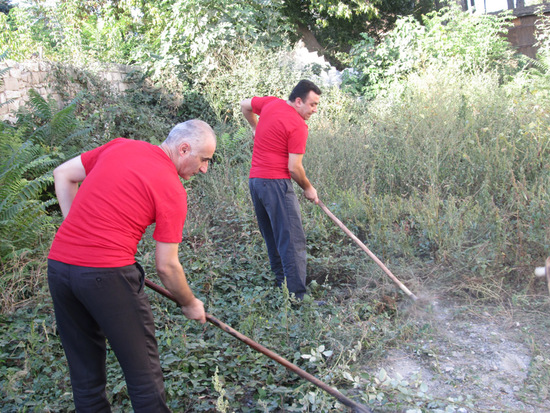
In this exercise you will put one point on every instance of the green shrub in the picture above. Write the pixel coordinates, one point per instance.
(474, 42)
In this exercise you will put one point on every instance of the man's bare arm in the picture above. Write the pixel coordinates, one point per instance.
(298, 173)
(171, 274)
(250, 116)
(66, 177)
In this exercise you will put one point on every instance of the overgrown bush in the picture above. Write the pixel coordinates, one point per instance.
(24, 176)
(476, 43)
(241, 74)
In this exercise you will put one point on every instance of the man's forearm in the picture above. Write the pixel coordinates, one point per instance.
(175, 281)
(299, 176)
(65, 192)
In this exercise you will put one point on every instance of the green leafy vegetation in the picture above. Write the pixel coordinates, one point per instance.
(434, 152)
(474, 44)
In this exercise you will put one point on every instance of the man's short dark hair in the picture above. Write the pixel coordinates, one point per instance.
(302, 89)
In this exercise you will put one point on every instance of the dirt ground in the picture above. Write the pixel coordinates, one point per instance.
(497, 358)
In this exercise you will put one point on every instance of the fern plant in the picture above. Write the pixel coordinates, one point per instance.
(23, 215)
(49, 137)
(4, 56)
(51, 128)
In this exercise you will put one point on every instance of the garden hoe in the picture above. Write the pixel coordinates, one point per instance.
(370, 254)
(356, 407)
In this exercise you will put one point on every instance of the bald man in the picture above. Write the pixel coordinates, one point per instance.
(108, 197)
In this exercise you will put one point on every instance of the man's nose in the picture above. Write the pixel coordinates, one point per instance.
(204, 168)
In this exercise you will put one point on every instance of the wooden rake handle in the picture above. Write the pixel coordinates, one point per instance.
(357, 407)
(370, 254)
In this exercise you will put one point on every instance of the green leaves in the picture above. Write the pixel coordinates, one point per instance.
(472, 43)
(26, 171)
(23, 218)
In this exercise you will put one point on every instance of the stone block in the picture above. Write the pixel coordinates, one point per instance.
(11, 83)
(26, 77)
(44, 67)
(116, 77)
(13, 94)
(39, 78)
(15, 72)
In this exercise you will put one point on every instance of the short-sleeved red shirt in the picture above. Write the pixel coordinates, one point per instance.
(280, 131)
(128, 186)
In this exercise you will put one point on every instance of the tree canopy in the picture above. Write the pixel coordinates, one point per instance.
(138, 31)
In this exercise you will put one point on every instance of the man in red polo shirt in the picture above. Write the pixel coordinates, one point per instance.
(280, 136)
(95, 282)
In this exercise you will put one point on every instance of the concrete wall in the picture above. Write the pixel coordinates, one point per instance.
(39, 75)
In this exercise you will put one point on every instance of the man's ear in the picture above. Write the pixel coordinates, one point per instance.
(183, 148)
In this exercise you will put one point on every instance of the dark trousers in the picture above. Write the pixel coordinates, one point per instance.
(92, 304)
(278, 214)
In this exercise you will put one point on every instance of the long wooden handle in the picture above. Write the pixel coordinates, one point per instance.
(256, 346)
(364, 248)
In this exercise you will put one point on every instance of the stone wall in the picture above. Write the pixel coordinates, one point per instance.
(38, 75)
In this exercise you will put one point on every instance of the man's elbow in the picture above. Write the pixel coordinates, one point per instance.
(246, 106)
(60, 177)
(167, 268)
(58, 173)
(163, 268)
(295, 167)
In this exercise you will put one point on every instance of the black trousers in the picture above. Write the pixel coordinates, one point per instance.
(94, 304)
(280, 222)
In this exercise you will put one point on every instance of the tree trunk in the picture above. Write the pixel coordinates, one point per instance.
(520, 4)
(312, 45)
(309, 39)
(510, 4)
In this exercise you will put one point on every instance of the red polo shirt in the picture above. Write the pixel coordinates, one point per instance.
(280, 131)
(128, 186)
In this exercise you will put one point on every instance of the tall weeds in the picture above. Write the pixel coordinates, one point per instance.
(445, 166)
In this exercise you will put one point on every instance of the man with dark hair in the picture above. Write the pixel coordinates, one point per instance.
(95, 282)
(280, 136)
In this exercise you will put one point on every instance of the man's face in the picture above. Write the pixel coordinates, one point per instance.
(308, 107)
(195, 160)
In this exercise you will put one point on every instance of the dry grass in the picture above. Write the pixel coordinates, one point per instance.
(23, 279)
